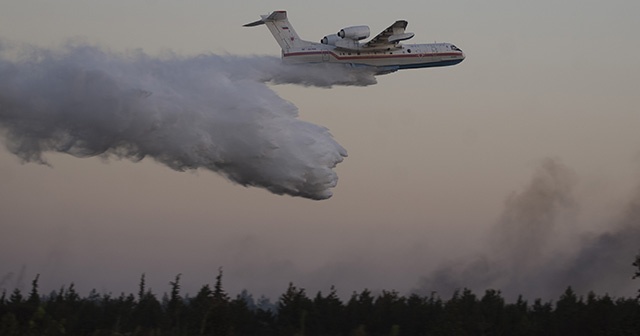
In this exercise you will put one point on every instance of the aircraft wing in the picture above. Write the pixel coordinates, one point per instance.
(389, 37)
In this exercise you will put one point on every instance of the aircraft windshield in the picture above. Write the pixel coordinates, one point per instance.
(455, 48)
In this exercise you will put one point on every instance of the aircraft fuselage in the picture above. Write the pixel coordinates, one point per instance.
(408, 56)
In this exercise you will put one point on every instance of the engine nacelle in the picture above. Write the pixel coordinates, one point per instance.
(330, 39)
(354, 33)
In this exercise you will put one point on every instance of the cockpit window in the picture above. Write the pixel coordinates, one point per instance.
(455, 48)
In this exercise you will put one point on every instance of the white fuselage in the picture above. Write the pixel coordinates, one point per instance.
(407, 56)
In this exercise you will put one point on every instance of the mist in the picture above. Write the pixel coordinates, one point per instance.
(538, 246)
(212, 112)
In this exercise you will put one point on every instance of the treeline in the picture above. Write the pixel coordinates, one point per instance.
(213, 312)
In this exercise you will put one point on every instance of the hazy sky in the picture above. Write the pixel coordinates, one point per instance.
(441, 161)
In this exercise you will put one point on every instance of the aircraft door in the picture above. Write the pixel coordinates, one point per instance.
(325, 56)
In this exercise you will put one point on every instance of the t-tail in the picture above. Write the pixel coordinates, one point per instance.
(281, 29)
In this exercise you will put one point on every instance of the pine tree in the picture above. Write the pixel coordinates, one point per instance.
(141, 287)
(34, 297)
(516, 318)
(326, 317)
(220, 319)
(293, 310)
(569, 314)
(3, 298)
(147, 312)
(359, 312)
(71, 295)
(199, 308)
(243, 319)
(462, 314)
(541, 314)
(219, 295)
(265, 316)
(16, 297)
(492, 311)
(175, 306)
(637, 271)
(388, 313)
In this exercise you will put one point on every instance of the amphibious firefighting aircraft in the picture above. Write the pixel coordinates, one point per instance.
(384, 53)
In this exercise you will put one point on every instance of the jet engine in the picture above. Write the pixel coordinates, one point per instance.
(330, 39)
(354, 33)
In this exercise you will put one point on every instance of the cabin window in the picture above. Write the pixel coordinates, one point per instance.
(409, 50)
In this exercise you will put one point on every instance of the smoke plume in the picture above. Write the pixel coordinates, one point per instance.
(537, 250)
(212, 112)
(603, 264)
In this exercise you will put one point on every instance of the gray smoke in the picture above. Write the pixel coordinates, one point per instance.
(527, 253)
(10, 281)
(603, 264)
(213, 112)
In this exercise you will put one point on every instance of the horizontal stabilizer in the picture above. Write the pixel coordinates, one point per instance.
(275, 16)
(253, 24)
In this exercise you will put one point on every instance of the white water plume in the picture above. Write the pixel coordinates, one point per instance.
(210, 111)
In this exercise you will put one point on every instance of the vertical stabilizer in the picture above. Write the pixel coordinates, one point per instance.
(281, 29)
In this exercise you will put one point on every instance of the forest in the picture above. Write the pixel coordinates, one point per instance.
(213, 312)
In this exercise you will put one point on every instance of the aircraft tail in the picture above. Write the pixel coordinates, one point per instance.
(281, 29)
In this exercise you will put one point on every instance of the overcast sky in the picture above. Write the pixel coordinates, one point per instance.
(439, 159)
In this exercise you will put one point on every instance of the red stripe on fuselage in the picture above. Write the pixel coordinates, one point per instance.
(369, 56)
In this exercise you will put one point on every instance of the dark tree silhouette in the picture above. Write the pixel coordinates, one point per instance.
(359, 312)
(636, 275)
(175, 308)
(212, 312)
(141, 287)
(568, 314)
(492, 313)
(389, 312)
(293, 311)
(219, 314)
(34, 296)
(326, 316)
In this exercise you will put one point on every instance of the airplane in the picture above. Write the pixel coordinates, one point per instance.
(383, 53)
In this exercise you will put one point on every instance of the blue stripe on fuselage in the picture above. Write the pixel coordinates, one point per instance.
(429, 64)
